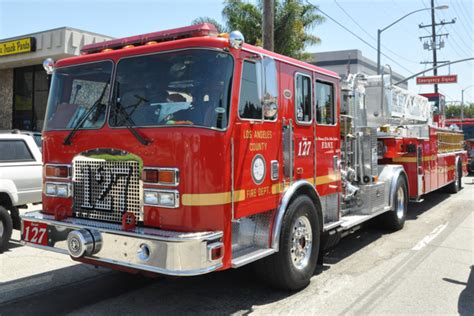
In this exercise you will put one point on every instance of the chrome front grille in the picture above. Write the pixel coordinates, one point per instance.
(104, 190)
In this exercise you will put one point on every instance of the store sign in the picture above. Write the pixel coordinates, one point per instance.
(437, 79)
(18, 46)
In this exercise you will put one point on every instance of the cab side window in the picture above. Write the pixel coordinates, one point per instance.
(250, 106)
(325, 108)
(303, 98)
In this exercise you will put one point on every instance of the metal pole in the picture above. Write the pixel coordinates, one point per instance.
(268, 25)
(442, 65)
(462, 108)
(378, 51)
(433, 42)
(379, 31)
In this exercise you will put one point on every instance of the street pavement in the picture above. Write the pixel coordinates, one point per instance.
(426, 268)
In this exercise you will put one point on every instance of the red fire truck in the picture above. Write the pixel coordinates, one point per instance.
(185, 151)
(467, 127)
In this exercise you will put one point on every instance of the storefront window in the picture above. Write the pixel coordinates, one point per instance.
(30, 94)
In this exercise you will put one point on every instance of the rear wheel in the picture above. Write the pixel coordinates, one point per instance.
(456, 185)
(292, 267)
(395, 219)
(6, 227)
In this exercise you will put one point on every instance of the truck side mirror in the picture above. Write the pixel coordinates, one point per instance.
(270, 107)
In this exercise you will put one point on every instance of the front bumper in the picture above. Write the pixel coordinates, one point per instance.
(168, 252)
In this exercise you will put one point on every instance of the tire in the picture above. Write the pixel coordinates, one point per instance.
(292, 267)
(6, 227)
(15, 215)
(456, 185)
(395, 219)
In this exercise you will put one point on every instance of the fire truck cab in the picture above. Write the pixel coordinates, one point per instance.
(184, 151)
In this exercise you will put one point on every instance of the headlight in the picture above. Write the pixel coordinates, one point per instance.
(57, 189)
(161, 198)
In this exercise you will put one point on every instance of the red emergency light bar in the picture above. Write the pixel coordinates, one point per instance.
(204, 29)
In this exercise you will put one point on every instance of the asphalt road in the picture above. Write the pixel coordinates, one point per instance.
(427, 268)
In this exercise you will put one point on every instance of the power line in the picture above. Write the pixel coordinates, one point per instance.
(460, 20)
(442, 91)
(353, 20)
(453, 38)
(464, 11)
(362, 40)
(370, 35)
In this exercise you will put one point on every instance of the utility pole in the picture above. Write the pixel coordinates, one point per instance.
(433, 40)
(434, 45)
(268, 23)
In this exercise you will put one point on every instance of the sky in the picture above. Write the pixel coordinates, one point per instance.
(400, 42)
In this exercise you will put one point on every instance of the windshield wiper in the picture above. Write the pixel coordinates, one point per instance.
(129, 123)
(83, 118)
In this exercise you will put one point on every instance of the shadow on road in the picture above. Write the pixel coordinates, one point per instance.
(371, 231)
(65, 297)
(226, 292)
(466, 299)
(430, 200)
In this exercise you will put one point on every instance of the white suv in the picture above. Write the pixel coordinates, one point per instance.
(20, 180)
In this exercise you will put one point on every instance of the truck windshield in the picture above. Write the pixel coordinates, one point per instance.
(187, 87)
(74, 90)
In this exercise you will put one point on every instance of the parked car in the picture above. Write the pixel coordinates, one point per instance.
(36, 135)
(20, 179)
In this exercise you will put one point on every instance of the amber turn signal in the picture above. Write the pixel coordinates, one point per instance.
(53, 171)
(163, 176)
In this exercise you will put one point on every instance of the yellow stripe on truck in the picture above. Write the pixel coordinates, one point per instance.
(209, 199)
(413, 159)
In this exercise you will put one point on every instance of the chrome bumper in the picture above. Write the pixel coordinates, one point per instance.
(168, 252)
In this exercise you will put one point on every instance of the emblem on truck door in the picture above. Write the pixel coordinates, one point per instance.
(258, 169)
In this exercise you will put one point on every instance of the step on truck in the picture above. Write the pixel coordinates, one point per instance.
(185, 151)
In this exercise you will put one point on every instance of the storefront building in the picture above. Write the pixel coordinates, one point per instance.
(24, 84)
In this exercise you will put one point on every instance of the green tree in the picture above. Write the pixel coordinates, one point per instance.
(454, 110)
(294, 19)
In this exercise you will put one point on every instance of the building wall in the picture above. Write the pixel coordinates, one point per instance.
(6, 98)
(57, 43)
(352, 60)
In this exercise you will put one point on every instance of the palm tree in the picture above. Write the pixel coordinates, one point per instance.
(294, 19)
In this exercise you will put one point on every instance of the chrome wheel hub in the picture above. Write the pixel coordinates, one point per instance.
(400, 207)
(1, 229)
(301, 242)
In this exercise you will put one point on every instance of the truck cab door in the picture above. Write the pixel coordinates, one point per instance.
(327, 145)
(256, 138)
(304, 162)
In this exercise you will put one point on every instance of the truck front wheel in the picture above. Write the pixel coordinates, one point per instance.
(6, 227)
(292, 267)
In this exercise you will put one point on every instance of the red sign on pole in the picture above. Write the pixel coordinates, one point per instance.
(437, 79)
